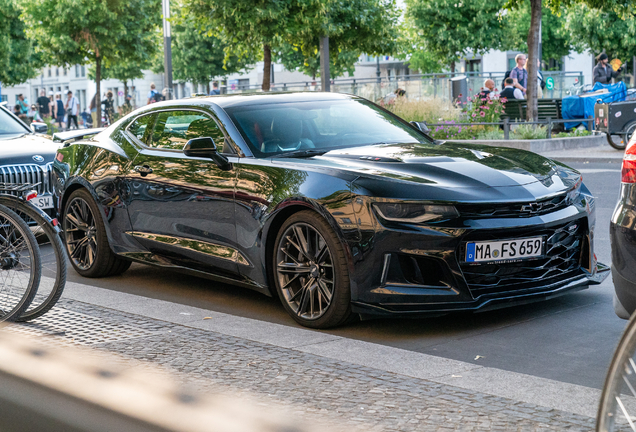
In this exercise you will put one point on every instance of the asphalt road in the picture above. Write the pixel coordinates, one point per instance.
(568, 339)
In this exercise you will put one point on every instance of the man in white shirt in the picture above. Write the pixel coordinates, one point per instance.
(509, 91)
(72, 109)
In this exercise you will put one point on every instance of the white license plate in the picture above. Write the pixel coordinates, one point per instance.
(43, 202)
(506, 250)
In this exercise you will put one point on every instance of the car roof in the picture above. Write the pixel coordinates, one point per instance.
(233, 100)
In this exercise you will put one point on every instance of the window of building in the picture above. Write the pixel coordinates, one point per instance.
(83, 71)
(57, 71)
(77, 71)
(473, 65)
(64, 71)
(49, 72)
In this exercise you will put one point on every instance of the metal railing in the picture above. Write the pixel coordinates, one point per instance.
(417, 86)
(506, 123)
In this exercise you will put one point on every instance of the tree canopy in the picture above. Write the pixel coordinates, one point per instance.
(450, 29)
(17, 56)
(92, 31)
(354, 27)
(199, 55)
(598, 30)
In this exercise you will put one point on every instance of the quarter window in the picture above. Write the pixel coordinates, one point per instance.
(139, 127)
(173, 129)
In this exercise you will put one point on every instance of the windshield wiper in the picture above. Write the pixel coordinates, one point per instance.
(303, 153)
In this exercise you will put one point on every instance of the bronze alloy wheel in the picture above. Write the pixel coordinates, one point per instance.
(310, 271)
(86, 239)
(79, 227)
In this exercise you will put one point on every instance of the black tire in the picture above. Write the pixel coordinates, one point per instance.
(318, 264)
(617, 398)
(52, 257)
(616, 141)
(86, 240)
(20, 265)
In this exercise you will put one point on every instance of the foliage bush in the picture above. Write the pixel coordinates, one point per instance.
(572, 134)
(429, 110)
(486, 110)
(526, 132)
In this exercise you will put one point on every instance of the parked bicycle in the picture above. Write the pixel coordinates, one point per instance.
(51, 261)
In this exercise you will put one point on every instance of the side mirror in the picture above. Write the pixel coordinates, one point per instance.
(421, 126)
(205, 147)
(41, 128)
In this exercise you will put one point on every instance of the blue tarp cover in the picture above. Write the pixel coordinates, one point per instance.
(577, 107)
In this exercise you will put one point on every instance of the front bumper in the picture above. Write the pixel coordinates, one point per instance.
(423, 270)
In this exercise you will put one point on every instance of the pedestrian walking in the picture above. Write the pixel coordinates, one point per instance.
(540, 82)
(519, 74)
(510, 92)
(59, 111)
(215, 89)
(151, 94)
(43, 104)
(603, 72)
(24, 105)
(109, 107)
(72, 110)
(52, 105)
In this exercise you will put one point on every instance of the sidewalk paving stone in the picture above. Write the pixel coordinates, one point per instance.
(331, 391)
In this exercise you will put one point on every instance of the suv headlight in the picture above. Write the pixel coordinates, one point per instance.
(574, 192)
(414, 213)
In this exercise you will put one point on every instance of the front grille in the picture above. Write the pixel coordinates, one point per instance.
(29, 173)
(523, 209)
(561, 261)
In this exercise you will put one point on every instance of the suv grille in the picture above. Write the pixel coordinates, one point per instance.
(513, 210)
(561, 261)
(29, 173)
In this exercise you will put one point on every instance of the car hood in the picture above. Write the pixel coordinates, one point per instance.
(477, 170)
(22, 149)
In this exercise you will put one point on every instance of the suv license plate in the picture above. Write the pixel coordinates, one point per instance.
(43, 202)
(506, 250)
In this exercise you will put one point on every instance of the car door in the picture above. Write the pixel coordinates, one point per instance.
(182, 208)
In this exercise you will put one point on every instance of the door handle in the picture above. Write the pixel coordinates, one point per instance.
(144, 170)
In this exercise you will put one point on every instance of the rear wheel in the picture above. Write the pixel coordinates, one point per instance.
(86, 240)
(619, 142)
(310, 272)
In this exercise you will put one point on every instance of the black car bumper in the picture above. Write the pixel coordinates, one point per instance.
(424, 271)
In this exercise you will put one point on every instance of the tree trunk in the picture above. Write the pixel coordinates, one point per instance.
(207, 87)
(125, 90)
(533, 56)
(98, 92)
(452, 66)
(267, 66)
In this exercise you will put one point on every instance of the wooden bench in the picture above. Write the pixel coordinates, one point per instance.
(516, 109)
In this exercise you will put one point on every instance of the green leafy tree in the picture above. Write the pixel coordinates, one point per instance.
(556, 41)
(18, 58)
(353, 27)
(92, 31)
(450, 29)
(198, 56)
(255, 28)
(602, 30)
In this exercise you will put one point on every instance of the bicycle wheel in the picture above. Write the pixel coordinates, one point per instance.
(617, 409)
(19, 265)
(52, 256)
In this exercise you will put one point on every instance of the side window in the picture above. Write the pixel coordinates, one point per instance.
(139, 127)
(173, 129)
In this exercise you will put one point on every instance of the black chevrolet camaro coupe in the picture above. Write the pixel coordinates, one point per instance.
(328, 201)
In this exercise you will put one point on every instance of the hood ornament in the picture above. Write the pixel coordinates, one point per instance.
(38, 158)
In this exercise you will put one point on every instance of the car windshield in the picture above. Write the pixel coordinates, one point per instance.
(9, 125)
(271, 129)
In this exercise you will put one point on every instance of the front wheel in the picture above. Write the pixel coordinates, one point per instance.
(86, 240)
(310, 272)
(616, 141)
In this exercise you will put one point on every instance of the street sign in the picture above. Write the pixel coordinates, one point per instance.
(549, 83)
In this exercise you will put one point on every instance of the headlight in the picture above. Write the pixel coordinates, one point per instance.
(574, 192)
(414, 213)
